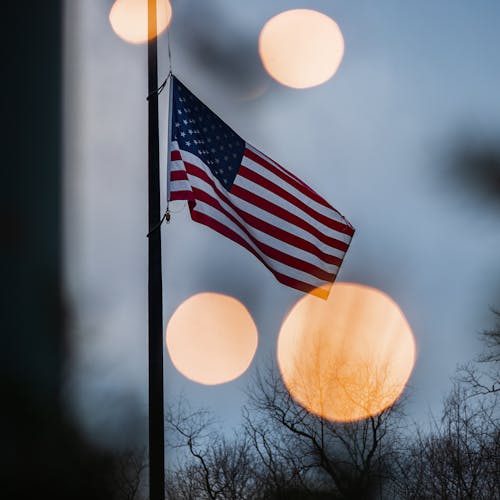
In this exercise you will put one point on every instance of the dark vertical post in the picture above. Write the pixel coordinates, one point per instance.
(155, 320)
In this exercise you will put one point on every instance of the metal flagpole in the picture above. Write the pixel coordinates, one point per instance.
(155, 319)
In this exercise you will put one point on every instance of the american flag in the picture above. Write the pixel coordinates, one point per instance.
(241, 193)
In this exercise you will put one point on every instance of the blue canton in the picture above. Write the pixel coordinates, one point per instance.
(201, 132)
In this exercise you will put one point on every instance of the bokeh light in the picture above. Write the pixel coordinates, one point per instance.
(211, 338)
(348, 357)
(129, 19)
(301, 48)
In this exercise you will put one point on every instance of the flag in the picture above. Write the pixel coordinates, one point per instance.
(239, 192)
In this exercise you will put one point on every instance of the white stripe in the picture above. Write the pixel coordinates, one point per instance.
(179, 186)
(177, 166)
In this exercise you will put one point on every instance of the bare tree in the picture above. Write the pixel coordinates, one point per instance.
(482, 378)
(491, 339)
(214, 466)
(301, 449)
(128, 477)
(460, 456)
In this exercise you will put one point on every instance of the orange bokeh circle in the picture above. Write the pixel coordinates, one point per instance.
(211, 338)
(348, 357)
(129, 19)
(301, 48)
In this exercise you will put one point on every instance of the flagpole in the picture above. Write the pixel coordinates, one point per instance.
(155, 306)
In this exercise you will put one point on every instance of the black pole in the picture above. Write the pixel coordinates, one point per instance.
(155, 319)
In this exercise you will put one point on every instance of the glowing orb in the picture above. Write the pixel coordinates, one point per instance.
(211, 338)
(129, 19)
(348, 357)
(301, 48)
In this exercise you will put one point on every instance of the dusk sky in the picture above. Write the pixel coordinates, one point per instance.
(418, 83)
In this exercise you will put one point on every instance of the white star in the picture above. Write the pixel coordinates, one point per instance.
(188, 143)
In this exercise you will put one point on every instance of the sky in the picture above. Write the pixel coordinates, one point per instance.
(376, 141)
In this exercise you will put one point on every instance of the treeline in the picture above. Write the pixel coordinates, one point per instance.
(284, 452)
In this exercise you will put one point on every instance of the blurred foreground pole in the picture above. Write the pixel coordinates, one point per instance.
(43, 452)
(155, 320)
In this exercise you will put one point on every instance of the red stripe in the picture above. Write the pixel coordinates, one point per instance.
(286, 195)
(181, 195)
(178, 175)
(267, 250)
(229, 233)
(280, 212)
(175, 155)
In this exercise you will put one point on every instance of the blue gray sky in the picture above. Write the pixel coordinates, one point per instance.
(376, 141)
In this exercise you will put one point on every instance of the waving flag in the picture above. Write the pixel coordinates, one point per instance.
(241, 193)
